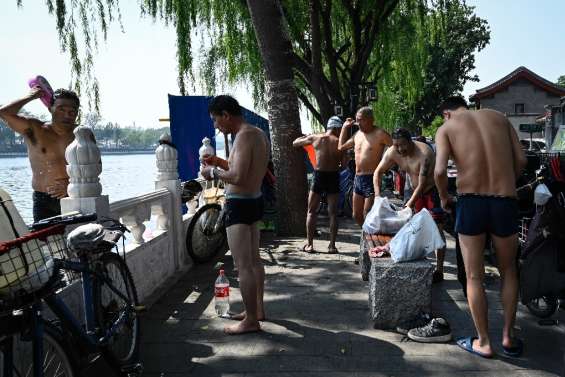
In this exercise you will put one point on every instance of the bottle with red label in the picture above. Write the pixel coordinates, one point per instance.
(222, 295)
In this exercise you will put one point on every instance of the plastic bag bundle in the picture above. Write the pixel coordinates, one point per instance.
(384, 218)
(418, 238)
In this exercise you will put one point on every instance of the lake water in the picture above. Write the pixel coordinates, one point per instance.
(123, 176)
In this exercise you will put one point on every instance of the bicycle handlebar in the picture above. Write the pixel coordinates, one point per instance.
(66, 219)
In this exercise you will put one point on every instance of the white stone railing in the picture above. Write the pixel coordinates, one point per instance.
(154, 257)
(134, 212)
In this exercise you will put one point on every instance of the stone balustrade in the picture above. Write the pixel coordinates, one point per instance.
(134, 212)
(156, 249)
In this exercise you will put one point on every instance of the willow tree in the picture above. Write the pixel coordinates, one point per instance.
(454, 34)
(282, 105)
(336, 47)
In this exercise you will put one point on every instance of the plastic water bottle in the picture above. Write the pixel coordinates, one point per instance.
(222, 295)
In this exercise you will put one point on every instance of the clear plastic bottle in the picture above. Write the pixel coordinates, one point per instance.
(222, 295)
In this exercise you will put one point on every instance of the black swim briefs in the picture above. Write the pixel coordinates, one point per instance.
(243, 210)
(325, 182)
(44, 206)
(478, 214)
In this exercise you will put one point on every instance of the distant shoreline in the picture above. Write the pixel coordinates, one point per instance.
(137, 151)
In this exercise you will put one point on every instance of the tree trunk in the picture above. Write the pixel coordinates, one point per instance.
(282, 104)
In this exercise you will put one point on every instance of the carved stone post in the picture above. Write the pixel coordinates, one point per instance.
(170, 217)
(84, 165)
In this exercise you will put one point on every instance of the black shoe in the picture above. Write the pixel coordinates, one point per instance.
(437, 331)
(421, 320)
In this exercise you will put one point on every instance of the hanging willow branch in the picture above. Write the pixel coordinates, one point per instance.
(382, 41)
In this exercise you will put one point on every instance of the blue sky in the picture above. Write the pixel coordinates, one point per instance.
(136, 73)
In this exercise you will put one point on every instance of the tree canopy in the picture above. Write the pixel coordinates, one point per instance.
(413, 51)
(561, 81)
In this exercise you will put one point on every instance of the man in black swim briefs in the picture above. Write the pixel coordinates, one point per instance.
(489, 159)
(326, 179)
(243, 175)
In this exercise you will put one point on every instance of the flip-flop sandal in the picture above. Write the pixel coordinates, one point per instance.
(47, 96)
(311, 251)
(516, 350)
(467, 345)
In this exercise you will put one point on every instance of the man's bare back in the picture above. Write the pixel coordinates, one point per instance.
(328, 157)
(251, 153)
(485, 149)
(325, 180)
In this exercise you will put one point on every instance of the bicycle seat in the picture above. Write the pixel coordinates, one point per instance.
(90, 238)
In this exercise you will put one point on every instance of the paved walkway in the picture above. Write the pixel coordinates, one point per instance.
(318, 324)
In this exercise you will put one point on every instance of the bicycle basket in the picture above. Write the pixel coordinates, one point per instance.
(26, 263)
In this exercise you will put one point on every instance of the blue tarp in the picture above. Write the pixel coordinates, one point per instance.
(190, 123)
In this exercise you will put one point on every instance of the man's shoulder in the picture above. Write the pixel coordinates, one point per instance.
(251, 131)
(379, 132)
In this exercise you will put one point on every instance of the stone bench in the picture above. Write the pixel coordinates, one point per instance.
(398, 291)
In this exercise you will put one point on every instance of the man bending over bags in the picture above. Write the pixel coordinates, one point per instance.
(417, 159)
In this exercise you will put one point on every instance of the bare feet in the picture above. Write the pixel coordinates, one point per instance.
(242, 327)
(308, 248)
(241, 316)
(484, 349)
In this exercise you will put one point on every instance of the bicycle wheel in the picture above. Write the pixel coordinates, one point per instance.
(123, 346)
(57, 359)
(204, 240)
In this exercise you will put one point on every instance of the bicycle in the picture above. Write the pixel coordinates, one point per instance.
(34, 346)
(206, 234)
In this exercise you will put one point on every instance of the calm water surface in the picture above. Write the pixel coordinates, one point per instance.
(123, 176)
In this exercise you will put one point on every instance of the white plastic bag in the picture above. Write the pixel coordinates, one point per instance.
(383, 218)
(419, 237)
(541, 194)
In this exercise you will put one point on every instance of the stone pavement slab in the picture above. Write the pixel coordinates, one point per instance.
(318, 324)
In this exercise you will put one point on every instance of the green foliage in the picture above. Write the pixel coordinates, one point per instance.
(79, 23)
(451, 34)
(561, 81)
(431, 129)
(416, 51)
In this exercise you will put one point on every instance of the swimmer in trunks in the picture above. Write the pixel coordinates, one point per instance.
(417, 159)
(489, 159)
(326, 179)
(46, 143)
(243, 175)
(369, 144)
